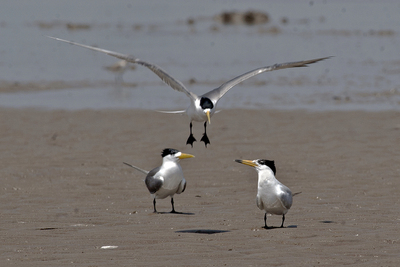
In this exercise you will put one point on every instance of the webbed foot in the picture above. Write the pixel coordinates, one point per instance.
(205, 139)
(191, 139)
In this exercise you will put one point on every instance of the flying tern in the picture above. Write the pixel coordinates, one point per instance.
(201, 107)
(272, 196)
(167, 179)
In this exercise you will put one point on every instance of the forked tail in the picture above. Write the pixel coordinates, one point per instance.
(296, 194)
(137, 168)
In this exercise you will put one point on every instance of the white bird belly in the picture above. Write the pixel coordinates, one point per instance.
(163, 193)
(196, 113)
(172, 180)
(273, 200)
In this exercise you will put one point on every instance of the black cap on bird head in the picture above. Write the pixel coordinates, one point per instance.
(168, 151)
(269, 163)
(205, 102)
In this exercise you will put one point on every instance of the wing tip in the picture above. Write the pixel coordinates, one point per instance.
(312, 61)
(171, 112)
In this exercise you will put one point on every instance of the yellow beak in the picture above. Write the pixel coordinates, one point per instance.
(208, 116)
(185, 156)
(246, 162)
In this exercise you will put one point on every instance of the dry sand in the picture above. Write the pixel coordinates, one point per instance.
(65, 192)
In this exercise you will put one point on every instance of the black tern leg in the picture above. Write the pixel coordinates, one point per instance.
(172, 203)
(283, 220)
(265, 221)
(205, 137)
(154, 205)
(191, 138)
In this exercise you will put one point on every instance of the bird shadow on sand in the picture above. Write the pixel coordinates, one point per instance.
(278, 227)
(174, 213)
(202, 231)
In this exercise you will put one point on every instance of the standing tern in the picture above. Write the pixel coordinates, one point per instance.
(272, 195)
(166, 180)
(201, 107)
(119, 68)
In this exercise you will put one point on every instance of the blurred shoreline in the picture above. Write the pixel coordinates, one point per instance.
(203, 45)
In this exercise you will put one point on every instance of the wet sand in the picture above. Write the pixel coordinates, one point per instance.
(65, 192)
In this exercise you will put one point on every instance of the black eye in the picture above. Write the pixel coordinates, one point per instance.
(206, 103)
(168, 151)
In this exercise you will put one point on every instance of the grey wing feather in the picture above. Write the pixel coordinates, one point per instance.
(286, 197)
(168, 79)
(153, 183)
(217, 93)
(181, 187)
(172, 112)
(165, 77)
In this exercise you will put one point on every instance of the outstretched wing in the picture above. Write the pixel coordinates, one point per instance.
(172, 112)
(165, 77)
(137, 168)
(217, 93)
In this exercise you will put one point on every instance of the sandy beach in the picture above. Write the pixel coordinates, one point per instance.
(66, 195)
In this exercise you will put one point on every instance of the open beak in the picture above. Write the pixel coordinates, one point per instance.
(246, 162)
(185, 156)
(208, 116)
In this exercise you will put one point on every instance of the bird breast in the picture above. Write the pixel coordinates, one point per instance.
(196, 113)
(172, 174)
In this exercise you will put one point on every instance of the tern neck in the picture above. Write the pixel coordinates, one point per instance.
(266, 175)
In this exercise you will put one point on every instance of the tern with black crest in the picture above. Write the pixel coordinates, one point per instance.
(272, 196)
(166, 180)
(201, 107)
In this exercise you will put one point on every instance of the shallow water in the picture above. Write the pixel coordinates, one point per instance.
(362, 37)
